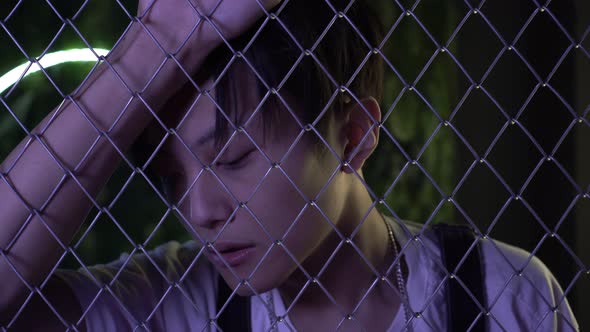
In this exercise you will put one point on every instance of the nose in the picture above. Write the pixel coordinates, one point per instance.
(209, 203)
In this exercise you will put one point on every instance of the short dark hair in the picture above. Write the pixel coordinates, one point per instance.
(345, 52)
(341, 35)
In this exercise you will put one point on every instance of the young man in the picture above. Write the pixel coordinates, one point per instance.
(261, 157)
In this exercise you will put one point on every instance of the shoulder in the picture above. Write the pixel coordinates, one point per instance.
(162, 284)
(160, 266)
(522, 291)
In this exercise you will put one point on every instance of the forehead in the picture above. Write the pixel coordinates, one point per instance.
(234, 98)
(194, 115)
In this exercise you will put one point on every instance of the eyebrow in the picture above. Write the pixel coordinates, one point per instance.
(206, 137)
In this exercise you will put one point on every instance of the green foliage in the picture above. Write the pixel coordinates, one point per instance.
(410, 121)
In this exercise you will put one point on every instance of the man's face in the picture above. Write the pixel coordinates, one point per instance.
(275, 198)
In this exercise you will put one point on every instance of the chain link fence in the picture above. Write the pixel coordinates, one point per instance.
(484, 121)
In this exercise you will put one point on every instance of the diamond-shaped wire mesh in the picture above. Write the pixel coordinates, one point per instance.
(262, 143)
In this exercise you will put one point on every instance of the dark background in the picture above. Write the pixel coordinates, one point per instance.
(508, 135)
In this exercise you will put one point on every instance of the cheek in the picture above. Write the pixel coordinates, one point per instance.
(243, 184)
(281, 206)
(276, 203)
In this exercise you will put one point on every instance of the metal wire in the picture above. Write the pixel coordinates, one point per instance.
(413, 160)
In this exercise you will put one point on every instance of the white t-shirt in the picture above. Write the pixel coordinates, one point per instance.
(172, 290)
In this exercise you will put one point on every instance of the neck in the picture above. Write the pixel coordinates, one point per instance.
(344, 276)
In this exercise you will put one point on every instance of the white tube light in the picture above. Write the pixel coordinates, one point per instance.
(49, 60)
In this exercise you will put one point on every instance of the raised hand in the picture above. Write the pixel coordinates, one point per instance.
(174, 22)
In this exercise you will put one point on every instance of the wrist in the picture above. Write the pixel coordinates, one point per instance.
(154, 70)
(135, 58)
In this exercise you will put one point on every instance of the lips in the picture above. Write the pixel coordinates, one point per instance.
(232, 253)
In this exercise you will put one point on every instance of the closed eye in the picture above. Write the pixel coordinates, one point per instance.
(236, 163)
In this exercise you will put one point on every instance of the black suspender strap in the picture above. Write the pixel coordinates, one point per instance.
(236, 315)
(462, 310)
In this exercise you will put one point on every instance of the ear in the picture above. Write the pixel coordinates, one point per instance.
(363, 120)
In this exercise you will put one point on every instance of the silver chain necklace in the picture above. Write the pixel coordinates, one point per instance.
(272, 316)
(398, 271)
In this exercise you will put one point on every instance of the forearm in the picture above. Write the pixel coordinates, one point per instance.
(49, 180)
